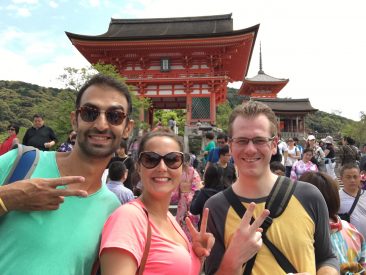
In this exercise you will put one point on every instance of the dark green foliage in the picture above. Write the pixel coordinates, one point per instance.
(178, 115)
(19, 101)
(323, 122)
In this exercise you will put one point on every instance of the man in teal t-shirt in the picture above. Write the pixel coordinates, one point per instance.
(62, 236)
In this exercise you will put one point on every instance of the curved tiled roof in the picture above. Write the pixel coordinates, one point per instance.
(162, 28)
(262, 77)
(288, 104)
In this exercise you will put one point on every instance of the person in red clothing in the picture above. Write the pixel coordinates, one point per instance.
(11, 140)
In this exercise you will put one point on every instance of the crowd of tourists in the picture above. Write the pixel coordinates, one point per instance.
(255, 205)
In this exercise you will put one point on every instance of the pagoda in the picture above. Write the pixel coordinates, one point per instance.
(290, 112)
(179, 63)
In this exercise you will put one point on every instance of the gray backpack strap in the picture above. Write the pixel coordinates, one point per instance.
(24, 164)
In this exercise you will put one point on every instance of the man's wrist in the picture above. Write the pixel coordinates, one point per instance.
(10, 195)
(3, 208)
(229, 265)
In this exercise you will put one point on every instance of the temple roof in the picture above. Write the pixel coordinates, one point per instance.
(288, 104)
(162, 28)
(262, 77)
(262, 83)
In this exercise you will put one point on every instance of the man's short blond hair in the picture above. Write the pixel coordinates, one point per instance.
(252, 109)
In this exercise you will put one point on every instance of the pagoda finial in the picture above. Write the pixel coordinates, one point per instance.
(260, 59)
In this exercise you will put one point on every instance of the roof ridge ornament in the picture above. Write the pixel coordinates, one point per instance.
(260, 59)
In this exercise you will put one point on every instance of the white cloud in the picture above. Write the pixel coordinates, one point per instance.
(94, 3)
(53, 4)
(24, 12)
(9, 35)
(50, 71)
(30, 2)
(20, 11)
(16, 67)
(35, 47)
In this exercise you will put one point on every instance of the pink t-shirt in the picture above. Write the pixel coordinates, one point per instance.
(126, 229)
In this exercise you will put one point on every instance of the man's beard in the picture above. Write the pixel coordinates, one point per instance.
(94, 150)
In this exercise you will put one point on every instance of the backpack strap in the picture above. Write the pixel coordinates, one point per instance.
(276, 203)
(280, 196)
(24, 164)
(355, 202)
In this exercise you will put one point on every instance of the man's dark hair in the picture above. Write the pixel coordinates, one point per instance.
(276, 165)
(116, 170)
(350, 140)
(123, 144)
(224, 150)
(213, 177)
(348, 165)
(222, 136)
(104, 80)
(363, 164)
(37, 116)
(16, 128)
(210, 135)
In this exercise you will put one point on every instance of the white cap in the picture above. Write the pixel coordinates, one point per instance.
(328, 140)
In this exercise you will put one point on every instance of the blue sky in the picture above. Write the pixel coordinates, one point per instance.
(319, 45)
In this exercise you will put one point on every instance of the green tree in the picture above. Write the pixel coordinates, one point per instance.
(222, 116)
(179, 116)
(356, 130)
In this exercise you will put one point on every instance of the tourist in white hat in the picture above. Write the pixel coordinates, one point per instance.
(318, 152)
(329, 159)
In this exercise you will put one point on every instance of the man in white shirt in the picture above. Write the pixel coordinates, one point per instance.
(117, 175)
(350, 176)
(282, 147)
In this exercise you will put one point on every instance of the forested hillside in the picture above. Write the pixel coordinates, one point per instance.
(320, 122)
(19, 101)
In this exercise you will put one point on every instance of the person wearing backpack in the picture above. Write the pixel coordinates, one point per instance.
(348, 152)
(51, 223)
(295, 237)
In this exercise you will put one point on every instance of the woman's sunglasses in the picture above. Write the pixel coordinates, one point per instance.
(150, 160)
(90, 114)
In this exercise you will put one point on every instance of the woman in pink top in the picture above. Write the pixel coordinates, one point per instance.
(124, 235)
(189, 183)
(11, 140)
(303, 165)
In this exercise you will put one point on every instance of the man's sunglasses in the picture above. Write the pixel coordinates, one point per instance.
(90, 114)
(150, 160)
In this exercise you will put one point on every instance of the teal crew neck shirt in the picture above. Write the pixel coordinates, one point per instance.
(59, 242)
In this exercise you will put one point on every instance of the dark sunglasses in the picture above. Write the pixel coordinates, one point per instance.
(90, 114)
(151, 159)
(11, 129)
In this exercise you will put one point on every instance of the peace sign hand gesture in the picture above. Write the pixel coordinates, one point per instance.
(202, 242)
(39, 194)
(245, 242)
